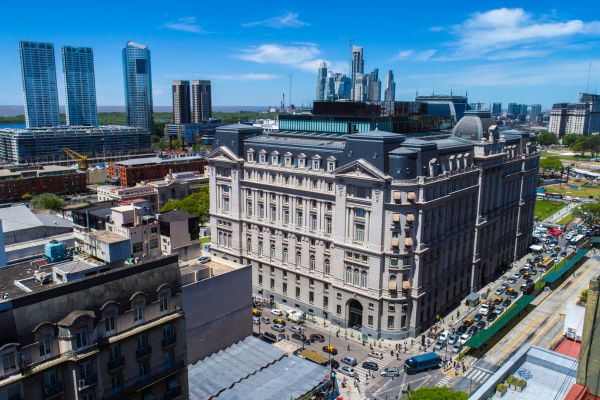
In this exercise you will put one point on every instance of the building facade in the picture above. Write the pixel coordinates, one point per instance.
(496, 109)
(321, 81)
(80, 85)
(182, 106)
(112, 335)
(581, 118)
(133, 171)
(201, 101)
(375, 230)
(38, 76)
(14, 184)
(358, 67)
(535, 113)
(137, 77)
(46, 144)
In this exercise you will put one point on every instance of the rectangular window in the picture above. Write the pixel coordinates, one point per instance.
(325, 301)
(311, 297)
(327, 225)
(164, 303)
(45, 346)
(226, 204)
(338, 309)
(153, 243)
(297, 292)
(390, 322)
(370, 320)
(313, 222)
(272, 283)
(359, 232)
(109, 323)
(142, 341)
(260, 279)
(144, 368)
(299, 217)
(115, 352)
(138, 312)
(284, 288)
(81, 339)
(116, 381)
(9, 362)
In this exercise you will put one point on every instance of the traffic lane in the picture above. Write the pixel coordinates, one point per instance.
(390, 388)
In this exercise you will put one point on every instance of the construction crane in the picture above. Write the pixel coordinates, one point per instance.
(82, 160)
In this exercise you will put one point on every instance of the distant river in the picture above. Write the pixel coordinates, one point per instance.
(19, 126)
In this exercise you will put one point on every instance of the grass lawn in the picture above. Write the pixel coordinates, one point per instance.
(585, 191)
(565, 157)
(566, 220)
(545, 208)
(204, 240)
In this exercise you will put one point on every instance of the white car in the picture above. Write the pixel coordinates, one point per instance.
(203, 260)
(464, 338)
(278, 327)
(390, 372)
(255, 320)
(484, 309)
(265, 320)
(344, 369)
(296, 328)
(444, 336)
(277, 312)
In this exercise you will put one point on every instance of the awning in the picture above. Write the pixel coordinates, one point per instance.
(408, 242)
(395, 242)
(392, 286)
(411, 196)
(410, 217)
(396, 217)
(397, 196)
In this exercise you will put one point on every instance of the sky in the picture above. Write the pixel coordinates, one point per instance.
(526, 52)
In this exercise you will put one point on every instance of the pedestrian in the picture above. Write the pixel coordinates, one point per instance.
(392, 351)
(397, 356)
(348, 347)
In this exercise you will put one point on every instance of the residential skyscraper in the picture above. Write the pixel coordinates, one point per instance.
(182, 112)
(80, 85)
(359, 87)
(358, 66)
(137, 77)
(342, 86)
(201, 101)
(496, 109)
(513, 109)
(535, 110)
(38, 75)
(321, 81)
(390, 90)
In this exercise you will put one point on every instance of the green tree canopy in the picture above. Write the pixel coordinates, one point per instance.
(155, 138)
(570, 139)
(47, 201)
(177, 144)
(588, 209)
(197, 203)
(434, 393)
(546, 138)
(551, 163)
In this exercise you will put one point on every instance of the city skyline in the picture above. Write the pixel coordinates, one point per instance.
(249, 57)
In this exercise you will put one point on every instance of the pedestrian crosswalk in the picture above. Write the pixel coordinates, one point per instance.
(387, 361)
(478, 375)
(444, 382)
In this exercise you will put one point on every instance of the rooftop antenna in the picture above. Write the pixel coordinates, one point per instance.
(587, 88)
(290, 97)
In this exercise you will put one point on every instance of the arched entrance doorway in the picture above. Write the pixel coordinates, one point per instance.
(355, 313)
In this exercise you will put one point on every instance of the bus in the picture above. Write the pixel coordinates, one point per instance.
(577, 240)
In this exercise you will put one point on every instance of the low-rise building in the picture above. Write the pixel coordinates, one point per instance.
(179, 234)
(137, 225)
(16, 183)
(133, 171)
(115, 332)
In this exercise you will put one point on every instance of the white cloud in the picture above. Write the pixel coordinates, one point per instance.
(415, 55)
(289, 20)
(185, 24)
(244, 77)
(301, 55)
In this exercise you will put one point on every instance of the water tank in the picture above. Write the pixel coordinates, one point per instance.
(55, 251)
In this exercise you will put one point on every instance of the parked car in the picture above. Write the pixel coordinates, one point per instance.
(523, 287)
(276, 311)
(457, 348)
(316, 337)
(370, 365)
(463, 338)
(480, 325)
(484, 309)
(278, 327)
(517, 275)
(499, 291)
(296, 328)
(255, 320)
(203, 260)
(533, 271)
(461, 329)
(506, 302)
(390, 372)
(440, 345)
(472, 330)
(265, 320)
(477, 317)
(492, 317)
(444, 336)
(512, 280)
(346, 370)
(499, 309)
(452, 339)
(269, 337)
(298, 336)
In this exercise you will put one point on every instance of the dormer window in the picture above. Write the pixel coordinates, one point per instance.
(262, 157)
(331, 164)
(287, 159)
(316, 164)
(275, 158)
(250, 156)
(9, 362)
(301, 161)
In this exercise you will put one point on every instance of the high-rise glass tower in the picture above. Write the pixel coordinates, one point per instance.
(321, 81)
(390, 91)
(38, 75)
(80, 86)
(201, 101)
(497, 109)
(374, 87)
(137, 77)
(182, 113)
(358, 67)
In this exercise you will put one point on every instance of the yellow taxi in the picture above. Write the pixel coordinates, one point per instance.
(256, 312)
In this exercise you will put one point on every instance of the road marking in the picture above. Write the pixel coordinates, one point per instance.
(547, 326)
(529, 327)
(444, 382)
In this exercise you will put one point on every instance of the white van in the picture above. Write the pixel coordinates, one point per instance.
(350, 360)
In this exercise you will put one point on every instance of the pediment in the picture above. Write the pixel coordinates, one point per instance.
(223, 154)
(360, 169)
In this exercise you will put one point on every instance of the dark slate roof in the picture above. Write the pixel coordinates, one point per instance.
(176, 215)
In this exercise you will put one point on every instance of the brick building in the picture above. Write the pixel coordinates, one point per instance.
(130, 172)
(49, 179)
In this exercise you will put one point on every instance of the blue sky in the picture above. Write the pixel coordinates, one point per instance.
(527, 52)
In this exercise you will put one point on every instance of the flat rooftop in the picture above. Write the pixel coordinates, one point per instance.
(157, 160)
(107, 237)
(217, 265)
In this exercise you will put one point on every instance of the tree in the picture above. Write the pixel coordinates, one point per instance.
(162, 145)
(197, 203)
(26, 197)
(155, 138)
(47, 201)
(570, 139)
(583, 296)
(551, 163)
(593, 144)
(591, 210)
(177, 144)
(434, 393)
(546, 138)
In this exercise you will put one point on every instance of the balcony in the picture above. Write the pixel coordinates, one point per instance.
(49, 392)
(114, 364)
(169, 341)
(172, 393)
(143, 352)
(87, 382)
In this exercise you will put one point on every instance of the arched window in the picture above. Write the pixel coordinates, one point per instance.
(356, 277)
(285, 254)
(272, 250)
(363, 279)
(298, 259)
(327, 267)
(312, 263)
(249, 245)
(349, 275)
